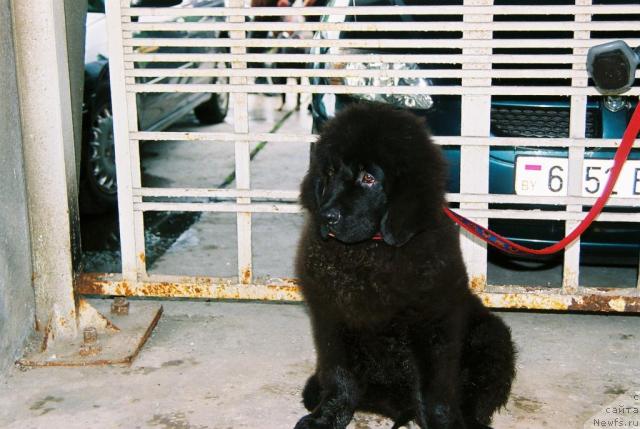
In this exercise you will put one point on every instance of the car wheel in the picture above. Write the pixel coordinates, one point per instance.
(99, 190)
(214, 110)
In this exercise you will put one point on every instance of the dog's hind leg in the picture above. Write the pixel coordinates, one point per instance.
(489, 363)
(312, 393)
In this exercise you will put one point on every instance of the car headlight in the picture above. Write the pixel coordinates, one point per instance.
(615, 103)
(418, 100)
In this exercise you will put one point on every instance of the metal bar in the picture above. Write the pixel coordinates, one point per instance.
(381, 10)
(222, 137)
(123, 113)
(531, 142)
(344, 89)
(136, 175)
(242, 150)
(193, 287)
(547, 215)
(474, 160)
(295, 208)
(444, 141)
(294, 195)
(217, 193)
(246, 208)
(589, 299)
(577, 125)
(299, 72)
(541, 200)
(530, 298)
(359, 58)
(370, 43)
(453, 25)
(571, 261)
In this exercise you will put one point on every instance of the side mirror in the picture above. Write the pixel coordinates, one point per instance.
(612, 66)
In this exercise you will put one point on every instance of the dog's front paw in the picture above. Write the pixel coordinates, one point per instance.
(311, 422)
(440, 416)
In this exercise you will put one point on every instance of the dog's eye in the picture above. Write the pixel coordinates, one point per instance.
(368, 179)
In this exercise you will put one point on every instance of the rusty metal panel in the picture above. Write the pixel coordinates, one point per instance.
(499, 297)
(189, 287)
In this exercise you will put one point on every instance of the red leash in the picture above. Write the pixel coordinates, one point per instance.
(509, 246)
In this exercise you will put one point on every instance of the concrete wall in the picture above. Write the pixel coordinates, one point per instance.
(16, 292)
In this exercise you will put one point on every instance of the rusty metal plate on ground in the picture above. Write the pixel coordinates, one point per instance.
(118, 345)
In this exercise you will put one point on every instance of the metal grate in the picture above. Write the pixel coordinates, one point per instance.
(537, 122)
(469, 62)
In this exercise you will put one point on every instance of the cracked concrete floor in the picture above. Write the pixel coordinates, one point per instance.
(226, 365)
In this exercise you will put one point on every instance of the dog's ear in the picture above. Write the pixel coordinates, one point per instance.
(413, 207)
(404, 218)
(311, 191)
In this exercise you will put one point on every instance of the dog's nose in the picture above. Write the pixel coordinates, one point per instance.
(331, 216)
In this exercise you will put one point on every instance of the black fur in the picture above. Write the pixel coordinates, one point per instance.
(397, 330)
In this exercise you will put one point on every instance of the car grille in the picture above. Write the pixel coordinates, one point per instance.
(536, 122)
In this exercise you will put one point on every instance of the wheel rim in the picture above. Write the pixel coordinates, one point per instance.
(102, 161)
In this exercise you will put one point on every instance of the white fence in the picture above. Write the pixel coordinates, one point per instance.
(474, 60)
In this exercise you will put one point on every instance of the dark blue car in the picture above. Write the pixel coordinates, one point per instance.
(511, 116)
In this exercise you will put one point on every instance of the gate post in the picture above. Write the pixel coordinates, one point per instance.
(577, 128)
(127, 153)
(242, 153)
(50, 164)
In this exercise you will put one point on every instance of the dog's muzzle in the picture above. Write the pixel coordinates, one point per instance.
(331, 216)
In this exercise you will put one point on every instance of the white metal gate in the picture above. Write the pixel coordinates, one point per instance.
(472, 68)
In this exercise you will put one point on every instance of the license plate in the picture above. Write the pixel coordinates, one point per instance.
(547, 176)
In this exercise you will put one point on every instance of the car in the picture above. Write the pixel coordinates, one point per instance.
(156, 111)
(511, 116)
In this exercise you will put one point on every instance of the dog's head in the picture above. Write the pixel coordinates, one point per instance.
(374, 170)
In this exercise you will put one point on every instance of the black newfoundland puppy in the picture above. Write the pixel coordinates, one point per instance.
(397, 330)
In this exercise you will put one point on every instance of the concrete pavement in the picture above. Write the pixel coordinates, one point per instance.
(222, 365)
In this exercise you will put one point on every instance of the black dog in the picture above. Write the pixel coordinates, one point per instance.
(397, 330)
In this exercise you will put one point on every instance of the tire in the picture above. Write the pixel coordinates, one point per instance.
(98, 186)
(214, 110)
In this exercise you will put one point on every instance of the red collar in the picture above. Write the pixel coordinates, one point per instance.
(376, 237)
